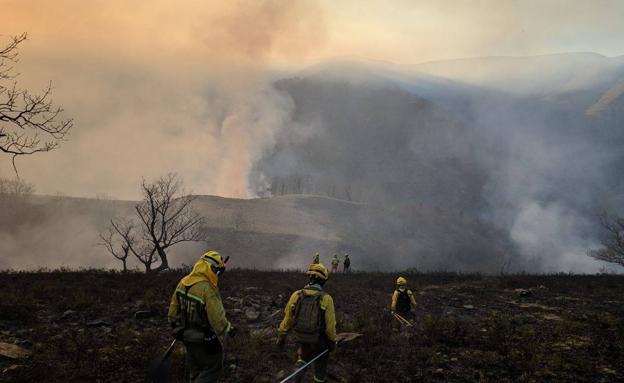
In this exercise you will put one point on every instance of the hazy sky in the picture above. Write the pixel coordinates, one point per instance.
(161, 85)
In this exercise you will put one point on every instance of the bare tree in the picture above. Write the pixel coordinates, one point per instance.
(613, 243)
(15, 187)
(119, 247)
(164, 218)
(16, 205)
(29, 123)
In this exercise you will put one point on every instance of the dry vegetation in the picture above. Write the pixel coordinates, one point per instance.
(95, 326)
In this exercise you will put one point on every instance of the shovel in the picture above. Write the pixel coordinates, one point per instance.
(342, 337)
(160, 369)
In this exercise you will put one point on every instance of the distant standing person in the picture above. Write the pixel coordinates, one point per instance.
(346, 265)
(196, 313)
(402, 299)
(317, 259)
(335, 262)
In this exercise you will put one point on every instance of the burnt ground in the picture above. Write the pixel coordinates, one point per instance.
(96, 326)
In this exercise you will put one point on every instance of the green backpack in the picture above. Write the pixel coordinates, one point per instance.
(309, 318)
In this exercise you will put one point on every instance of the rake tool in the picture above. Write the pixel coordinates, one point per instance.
(342, 337)
(402, 320)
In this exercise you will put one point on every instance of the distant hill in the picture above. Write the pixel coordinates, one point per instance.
(280, 232)
(521, 144)
(470, 165)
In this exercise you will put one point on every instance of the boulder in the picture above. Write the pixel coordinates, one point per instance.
(13, 351)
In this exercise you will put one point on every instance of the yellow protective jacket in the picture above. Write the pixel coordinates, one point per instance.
(326, 303)
(395, 297)
(202, 288)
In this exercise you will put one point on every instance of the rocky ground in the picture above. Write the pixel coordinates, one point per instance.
(96, 326)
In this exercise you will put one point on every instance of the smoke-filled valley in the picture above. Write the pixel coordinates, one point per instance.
(492, 164)
(525, 149)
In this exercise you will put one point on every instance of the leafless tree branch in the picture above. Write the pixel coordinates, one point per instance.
(29, 123)
(613, 242)
(166, 218)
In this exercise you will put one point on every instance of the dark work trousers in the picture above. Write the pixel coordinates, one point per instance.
(306, 353)
(205, 361)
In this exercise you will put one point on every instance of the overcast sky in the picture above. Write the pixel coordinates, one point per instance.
(161, 85)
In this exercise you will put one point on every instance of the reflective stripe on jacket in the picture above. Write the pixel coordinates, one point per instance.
(209, 298)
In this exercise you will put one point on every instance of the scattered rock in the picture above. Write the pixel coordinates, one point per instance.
(274, 314)
(573, 341)
(469, 307)
(281, 374)
(97, 323)
(252, 314)
(262, 333)
(525, 293)
(13, 351)
(24, 342)
(143, 314)
(12, 367)
(234, 300)
(69, 314)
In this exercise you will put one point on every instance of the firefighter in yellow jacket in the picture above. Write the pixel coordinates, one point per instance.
(402, 299)
(196, 313)
(310, 314)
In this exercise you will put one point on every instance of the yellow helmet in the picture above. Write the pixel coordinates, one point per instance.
(401, 281)
(318, 270)
(215, 260)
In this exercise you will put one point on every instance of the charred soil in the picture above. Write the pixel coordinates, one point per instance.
(96, 326)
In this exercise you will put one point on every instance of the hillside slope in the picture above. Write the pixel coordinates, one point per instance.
(279, 232)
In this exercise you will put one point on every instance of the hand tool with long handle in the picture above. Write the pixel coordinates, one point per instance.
(403, 320)
(159, 370)
(343, 337)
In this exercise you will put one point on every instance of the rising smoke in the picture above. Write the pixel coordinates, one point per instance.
(525, 164)
(472, 165)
